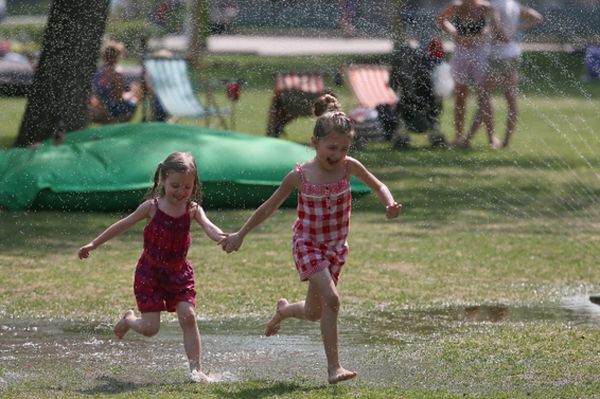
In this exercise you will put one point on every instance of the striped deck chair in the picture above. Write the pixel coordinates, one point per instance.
(169, 79)
(294, 95)
(306, 82)
(396, 116)
(370, 84)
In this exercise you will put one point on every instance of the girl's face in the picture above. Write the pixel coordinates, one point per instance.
(332, 149)
(179, 187)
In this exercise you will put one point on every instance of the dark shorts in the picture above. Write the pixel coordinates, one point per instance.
(157, 289)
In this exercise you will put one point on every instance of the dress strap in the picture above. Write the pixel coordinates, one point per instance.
(299, 168)
(346, 167)
(153, 207)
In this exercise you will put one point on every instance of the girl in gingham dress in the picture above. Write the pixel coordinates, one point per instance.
(164, 278)
(321, 230)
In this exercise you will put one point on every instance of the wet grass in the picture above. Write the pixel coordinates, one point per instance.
(464, 296)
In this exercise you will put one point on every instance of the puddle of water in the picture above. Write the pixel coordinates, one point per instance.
(402, 327)
(65, 354)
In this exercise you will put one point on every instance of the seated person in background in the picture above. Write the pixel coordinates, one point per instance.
(6, 54)
(591, 62)
(113, 100)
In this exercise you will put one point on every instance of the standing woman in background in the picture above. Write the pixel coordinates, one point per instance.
(469, 23)
(505, 59)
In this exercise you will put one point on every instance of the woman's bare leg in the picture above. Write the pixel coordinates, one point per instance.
(511, 93)
(478, 117)
(460, 99)
(487, 116)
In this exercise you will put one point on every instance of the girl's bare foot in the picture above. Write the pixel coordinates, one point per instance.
(122, 326)
(199, 376)
(340, 374)
(274, 324)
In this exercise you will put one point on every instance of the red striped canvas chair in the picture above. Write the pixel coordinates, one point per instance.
(306, 82)
(294, 95)
(370, 84)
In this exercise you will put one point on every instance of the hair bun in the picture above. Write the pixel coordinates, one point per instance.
(326, 103)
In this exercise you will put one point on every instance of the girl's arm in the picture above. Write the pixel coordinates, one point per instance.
(234, 241)
(211, 230)
(392, 208)
(117, 228)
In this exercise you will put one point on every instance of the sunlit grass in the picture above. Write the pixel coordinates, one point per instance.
(517, 227)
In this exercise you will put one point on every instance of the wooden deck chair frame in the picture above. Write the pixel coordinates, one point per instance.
(169, 80)
(294, 95)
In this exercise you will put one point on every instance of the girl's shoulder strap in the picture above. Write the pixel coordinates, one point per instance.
(299, 169)
(193, 209)
(152, 204)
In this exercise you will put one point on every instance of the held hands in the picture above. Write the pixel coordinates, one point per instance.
(393, 211)
(84, 251)
(231, 242)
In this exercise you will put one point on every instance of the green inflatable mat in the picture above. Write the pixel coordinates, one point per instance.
(111, 168)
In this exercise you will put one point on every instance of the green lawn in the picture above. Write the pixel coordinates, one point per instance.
(467, 295)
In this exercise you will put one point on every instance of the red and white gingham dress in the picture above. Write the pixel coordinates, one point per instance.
(321, 229)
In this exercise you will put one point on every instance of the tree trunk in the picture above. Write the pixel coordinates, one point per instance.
(58, 99)
(199, 31)
(398, 33)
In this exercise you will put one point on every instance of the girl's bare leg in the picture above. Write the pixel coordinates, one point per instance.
(147, 325)
(329, 308)
(322, 303)
(275, 322)
(191, 340)
(309, 309)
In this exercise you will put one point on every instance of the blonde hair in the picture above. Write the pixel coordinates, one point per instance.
(180, 162)
(330, 118)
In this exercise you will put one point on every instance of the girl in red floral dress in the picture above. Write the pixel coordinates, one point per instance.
(321, 229)
(164, 278)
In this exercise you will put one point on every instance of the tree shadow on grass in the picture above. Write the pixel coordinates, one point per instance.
(526, 199)
(266, 390)
(380, 155)
(434, 185)
(112, 386)
(249, 390)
